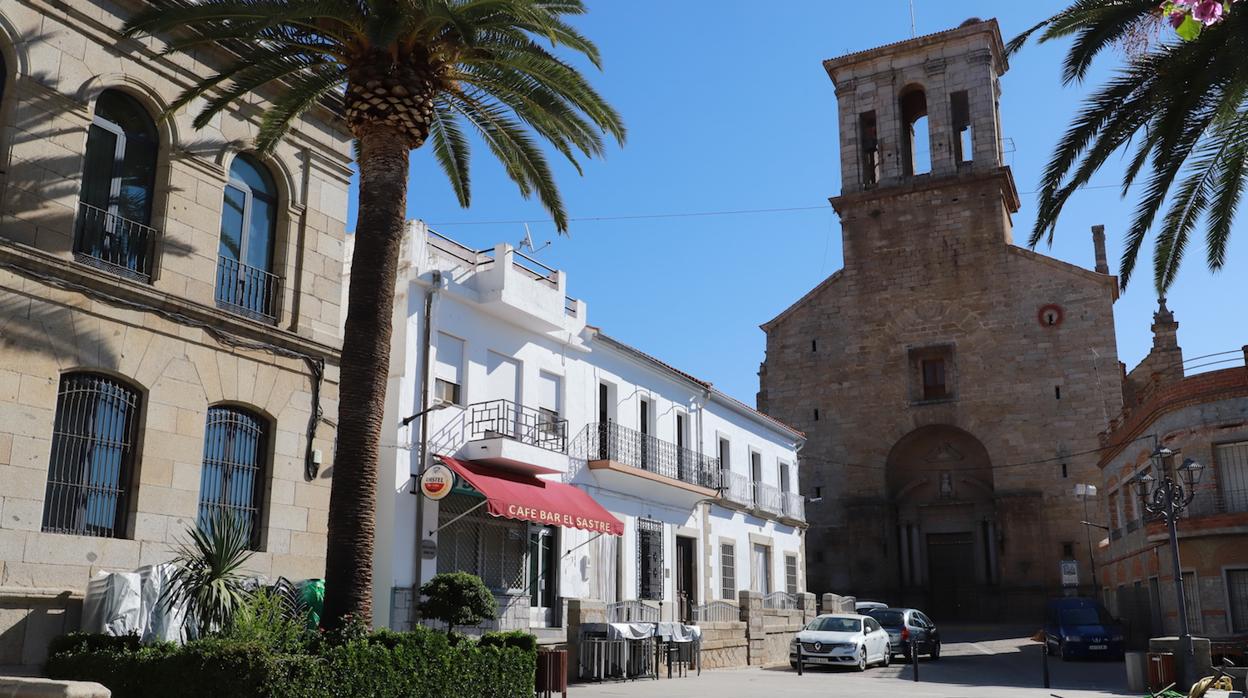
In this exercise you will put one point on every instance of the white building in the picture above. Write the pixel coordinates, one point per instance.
(536, 399)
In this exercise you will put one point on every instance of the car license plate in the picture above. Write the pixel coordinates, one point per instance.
(1098, 647)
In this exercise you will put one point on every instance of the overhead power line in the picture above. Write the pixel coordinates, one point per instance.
(678, 214)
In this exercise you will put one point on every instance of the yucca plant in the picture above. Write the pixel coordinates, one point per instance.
(208, 581)
(1178, 108)
(404, 72)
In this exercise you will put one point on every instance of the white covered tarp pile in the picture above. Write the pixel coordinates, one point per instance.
(128, 603)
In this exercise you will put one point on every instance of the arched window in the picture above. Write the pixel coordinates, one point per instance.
(916, 155)
(246, 283)
(232, 481)
(119, 175)
(91, 466)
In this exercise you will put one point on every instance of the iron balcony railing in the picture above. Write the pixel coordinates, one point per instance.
(528, 425)
(717, 612)
(1218, 501)
(780, 600)
(114, 244)
(247, 290)
(632, 611)
(768, 498)
(794, 506)
(610, 441)
(737, 487)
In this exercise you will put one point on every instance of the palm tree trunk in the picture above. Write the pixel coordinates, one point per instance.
(383, 161)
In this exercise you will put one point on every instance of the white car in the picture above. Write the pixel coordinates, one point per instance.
(841, 639)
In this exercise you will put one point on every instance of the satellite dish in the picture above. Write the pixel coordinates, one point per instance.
(526, 243)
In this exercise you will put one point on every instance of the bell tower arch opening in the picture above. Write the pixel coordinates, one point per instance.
(940, 482)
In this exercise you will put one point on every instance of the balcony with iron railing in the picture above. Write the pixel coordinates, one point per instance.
(769, 498)
(527, 425)
(612, 447)
(248, 291)
(1216, 500)
(736, 487)
(114, 244)
(794, 506)
(512, 435)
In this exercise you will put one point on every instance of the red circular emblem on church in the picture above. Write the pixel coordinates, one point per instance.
(1050, 315)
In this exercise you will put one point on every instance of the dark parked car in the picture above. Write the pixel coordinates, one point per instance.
(904, 624)
(1081, 627)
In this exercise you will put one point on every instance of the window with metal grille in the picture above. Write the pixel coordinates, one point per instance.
(1232, 462)
(1237, 594)
(232, 480)
(91, 466)
(790, 574)
(1191, 593)
(728, 571)
(469, 540)
(649, 559)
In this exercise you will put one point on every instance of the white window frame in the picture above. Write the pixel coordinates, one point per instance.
(462, 371)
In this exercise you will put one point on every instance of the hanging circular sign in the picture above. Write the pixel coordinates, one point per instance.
(437, 482)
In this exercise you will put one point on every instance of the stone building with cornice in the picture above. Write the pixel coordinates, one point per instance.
(951, 383)
(169, 308)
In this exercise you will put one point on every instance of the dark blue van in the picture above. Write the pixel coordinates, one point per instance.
(1081, 627)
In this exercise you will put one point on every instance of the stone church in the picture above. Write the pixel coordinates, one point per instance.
(952, 383)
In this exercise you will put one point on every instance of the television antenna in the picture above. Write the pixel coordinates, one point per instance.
(526, 243)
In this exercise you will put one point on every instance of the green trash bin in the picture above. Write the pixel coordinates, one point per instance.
(312, 594)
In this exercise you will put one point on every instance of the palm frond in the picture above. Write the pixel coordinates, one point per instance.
(207, 580)
(1172, 106)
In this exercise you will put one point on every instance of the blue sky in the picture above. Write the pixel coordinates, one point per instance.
(728, 108)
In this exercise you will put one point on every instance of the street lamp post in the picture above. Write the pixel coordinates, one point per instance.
(1167, 498)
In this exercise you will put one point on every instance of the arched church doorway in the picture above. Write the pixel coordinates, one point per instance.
(939, 480)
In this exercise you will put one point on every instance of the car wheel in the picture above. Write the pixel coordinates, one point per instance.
(1061, 652)
(936, 651)
(792, 665)
(862, 660)
(888, 657)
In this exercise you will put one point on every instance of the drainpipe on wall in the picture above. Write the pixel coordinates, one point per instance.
(426, 347)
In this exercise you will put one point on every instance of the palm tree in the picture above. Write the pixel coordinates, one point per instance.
(1179, 107)
(208, 582)
(404, 72)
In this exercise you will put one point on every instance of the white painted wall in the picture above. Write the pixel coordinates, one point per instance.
(527, 329)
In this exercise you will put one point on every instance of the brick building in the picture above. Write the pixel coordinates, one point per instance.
(169, 310)
(952, 384)
(1203, 417)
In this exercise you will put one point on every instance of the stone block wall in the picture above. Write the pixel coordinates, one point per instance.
(165, 337)
(724, 645)
(769, 630)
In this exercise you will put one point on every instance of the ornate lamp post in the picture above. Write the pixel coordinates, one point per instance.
(1167, 498)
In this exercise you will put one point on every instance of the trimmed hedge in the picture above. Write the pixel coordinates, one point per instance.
(384, 664)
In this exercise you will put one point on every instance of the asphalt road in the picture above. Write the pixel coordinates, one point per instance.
(975, 662)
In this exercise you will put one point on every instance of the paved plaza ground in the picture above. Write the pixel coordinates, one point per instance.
(987, 662)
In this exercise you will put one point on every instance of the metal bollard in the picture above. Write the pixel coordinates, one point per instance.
(799, 657)
(914, 657)
(1044, 655)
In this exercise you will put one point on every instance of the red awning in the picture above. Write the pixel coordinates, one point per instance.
(526, 498)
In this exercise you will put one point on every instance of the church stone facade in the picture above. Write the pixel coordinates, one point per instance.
(952, 384)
